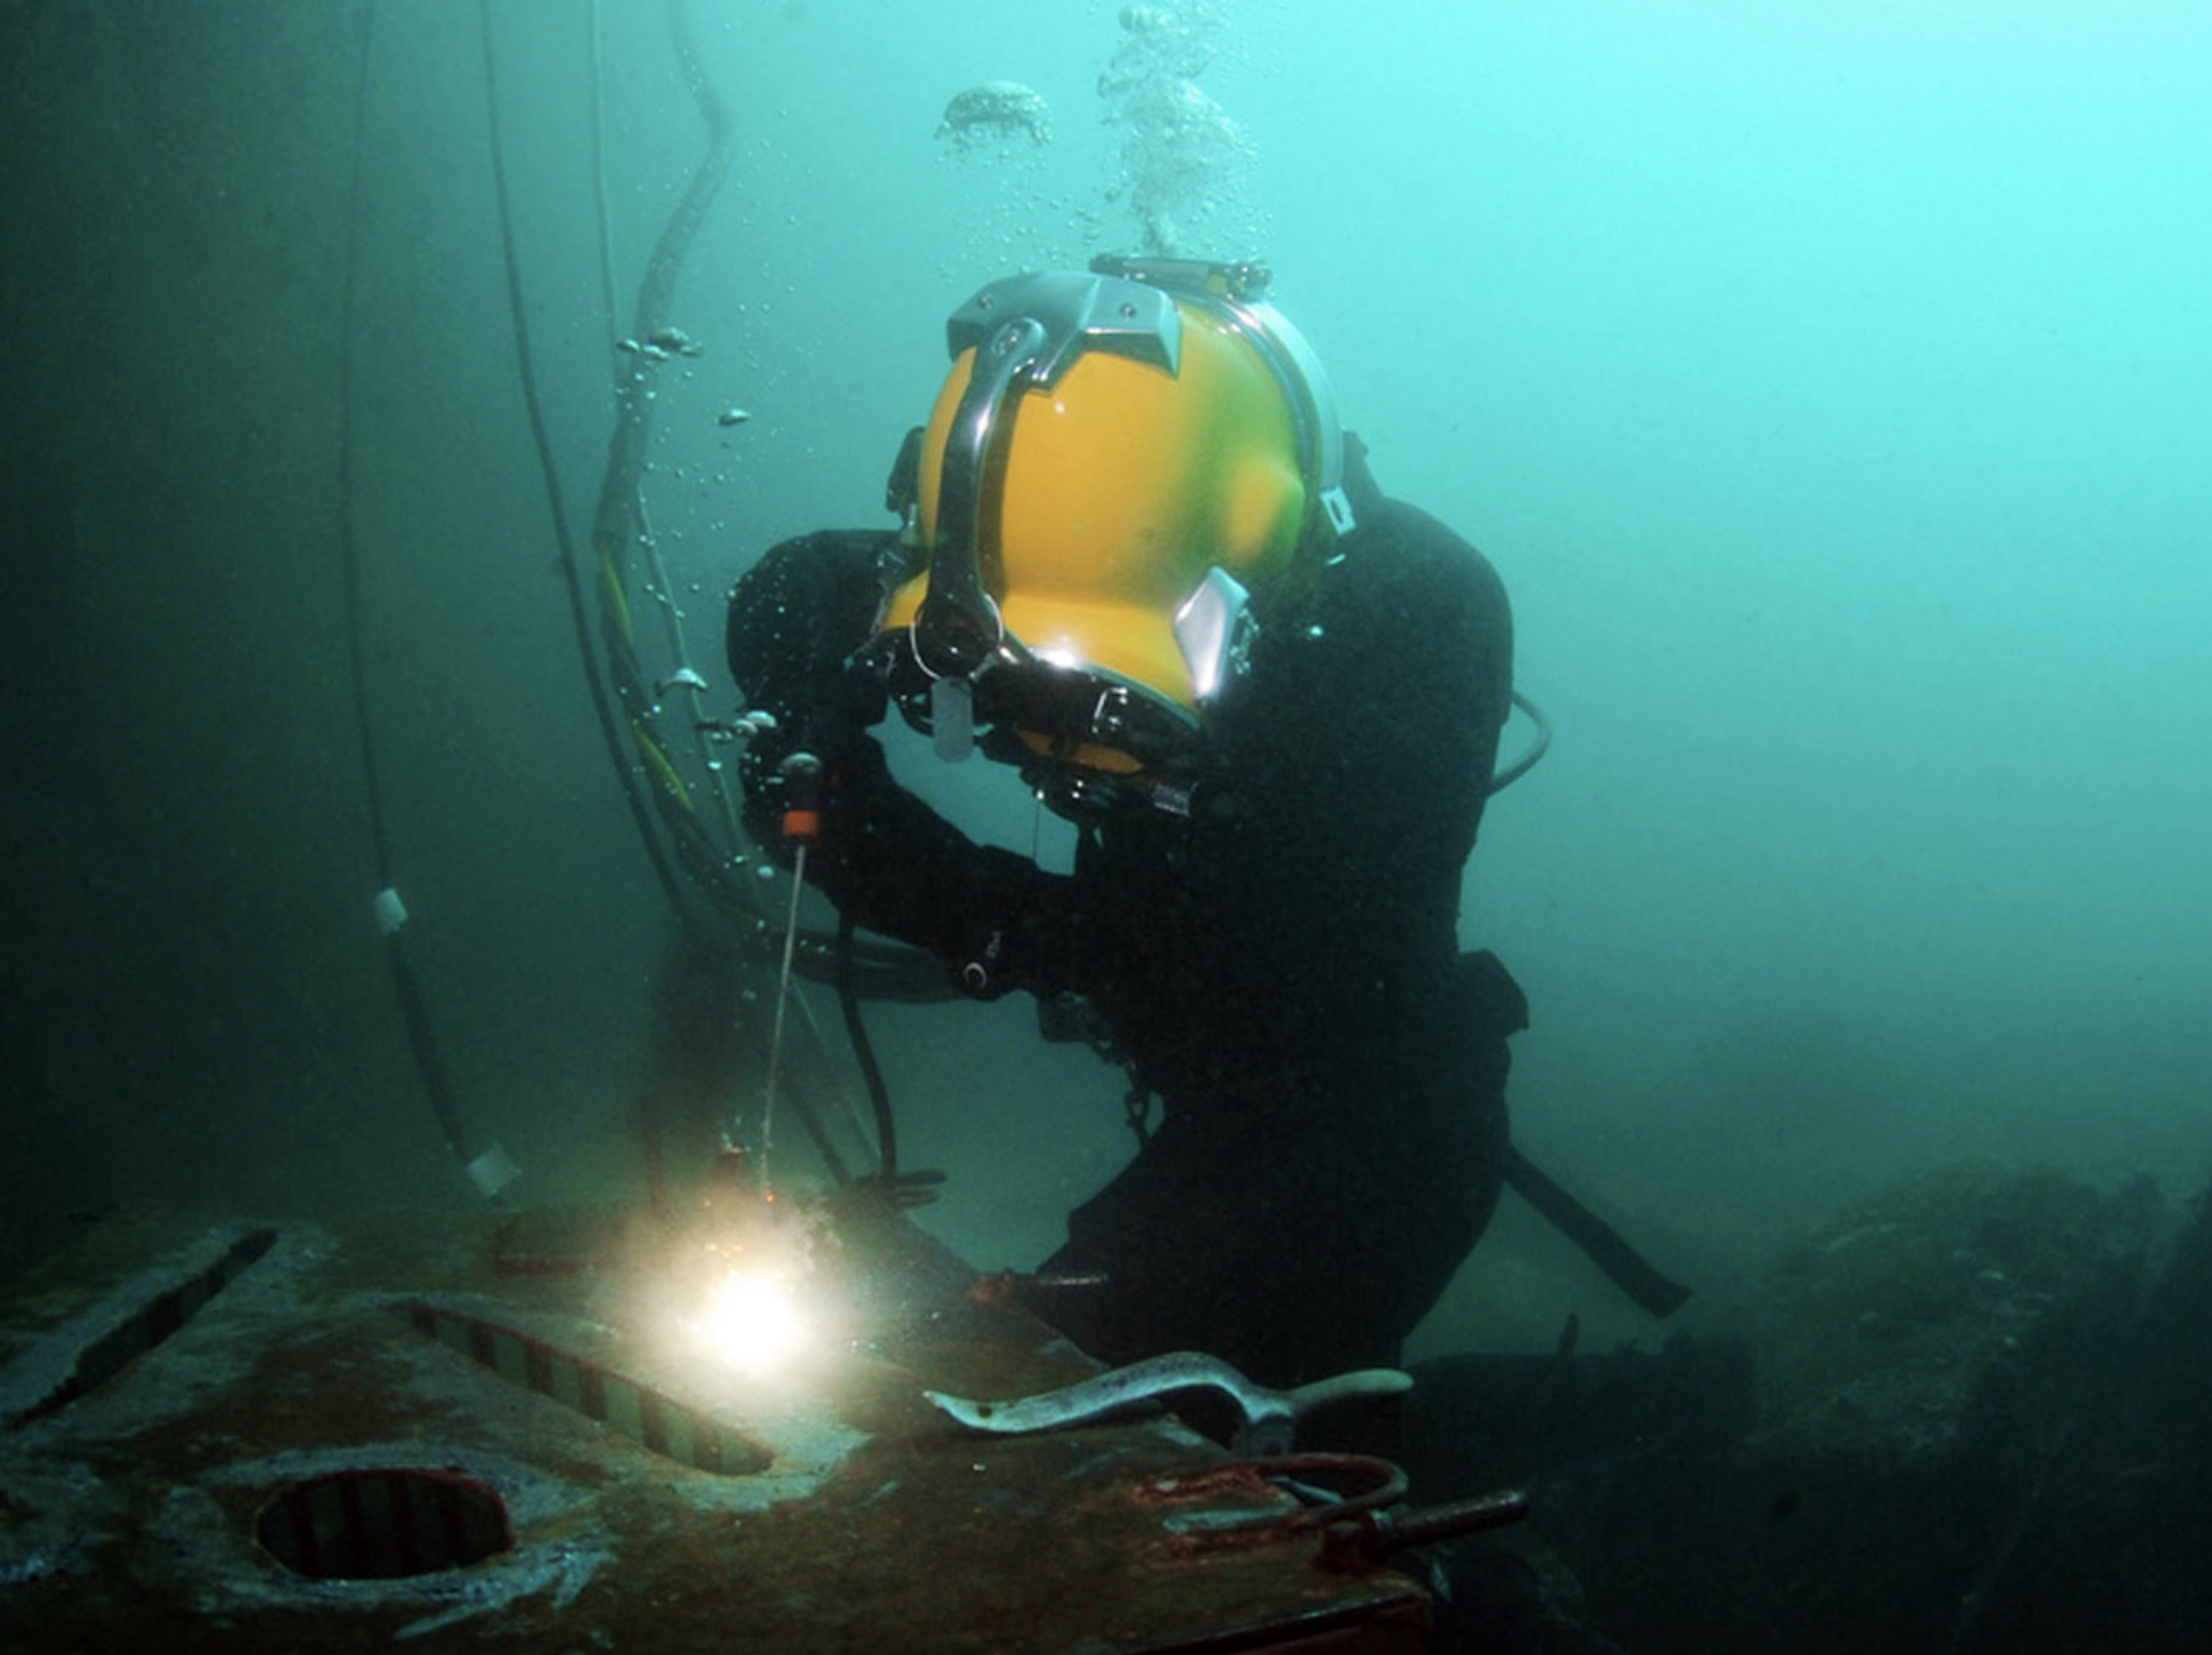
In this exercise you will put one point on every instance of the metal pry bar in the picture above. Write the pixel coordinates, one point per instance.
(1270, 1416)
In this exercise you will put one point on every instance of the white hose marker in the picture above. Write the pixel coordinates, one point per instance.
(390, 911)
(952, 719)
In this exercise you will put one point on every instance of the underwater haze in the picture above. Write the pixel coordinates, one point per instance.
(1827, 384)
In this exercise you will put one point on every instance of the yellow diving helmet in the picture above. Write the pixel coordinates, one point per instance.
(1119, 460)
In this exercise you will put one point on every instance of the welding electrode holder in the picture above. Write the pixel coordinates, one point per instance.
(801, 823)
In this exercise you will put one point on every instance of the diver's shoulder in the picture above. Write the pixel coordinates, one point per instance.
(1399, 542)
(834, 545)
(1396, 532)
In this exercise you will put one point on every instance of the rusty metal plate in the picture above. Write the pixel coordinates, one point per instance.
(500, 1430)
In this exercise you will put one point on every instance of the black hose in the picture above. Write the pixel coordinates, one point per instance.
(414, 1012)
(879, 971)
(1537, 748)
(864, 1054)
(349, 552)
(618, 749)
(421, 1040)
(618, 519)
(1628, 1270)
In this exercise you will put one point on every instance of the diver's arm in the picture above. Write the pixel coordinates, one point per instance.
(797, 614)
(1432, 689)
(883, 856)
(894, 866)
(1361, 758)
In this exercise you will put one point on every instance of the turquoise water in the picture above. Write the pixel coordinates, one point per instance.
(1828, 383)
(1829, 388)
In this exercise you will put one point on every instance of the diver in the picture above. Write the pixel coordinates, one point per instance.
(1140, 562)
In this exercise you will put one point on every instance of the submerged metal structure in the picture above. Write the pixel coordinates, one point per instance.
(498, 1431)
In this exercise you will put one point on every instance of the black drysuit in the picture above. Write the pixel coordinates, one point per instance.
(1280, 967)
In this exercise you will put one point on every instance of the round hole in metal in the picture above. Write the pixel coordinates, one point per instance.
(381, 1525)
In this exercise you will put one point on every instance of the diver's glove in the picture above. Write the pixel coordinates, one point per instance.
(797, 614)
(794, 620)
(807, 767)
(884, 857)
(895, 866)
